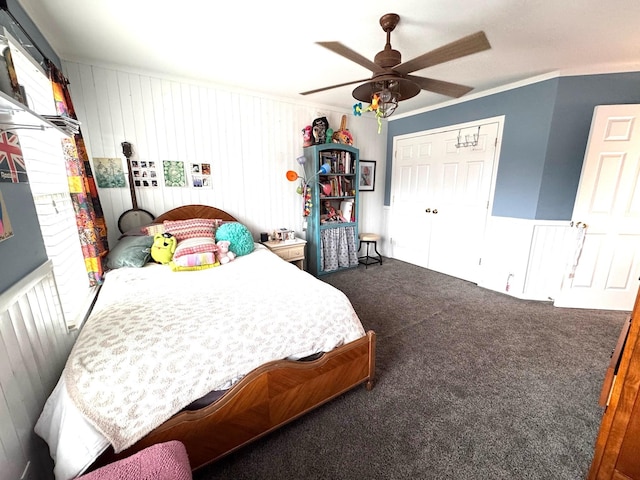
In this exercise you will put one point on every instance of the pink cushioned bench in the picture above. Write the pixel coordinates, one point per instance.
(163, 461)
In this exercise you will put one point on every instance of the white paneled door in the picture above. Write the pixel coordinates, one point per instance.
(411, 194)
(604, 266)
(440, 198)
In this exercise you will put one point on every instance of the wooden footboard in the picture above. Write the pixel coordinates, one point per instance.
(267, 398)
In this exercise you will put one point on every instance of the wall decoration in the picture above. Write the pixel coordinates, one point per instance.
(144, 173)
(200, 175)
(174, 175)
(5, 223)
(367, 175)
(109, 172)
(12, 167)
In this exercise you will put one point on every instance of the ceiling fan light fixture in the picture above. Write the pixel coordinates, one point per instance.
(390, 89)
(386, 96)
(387, 103)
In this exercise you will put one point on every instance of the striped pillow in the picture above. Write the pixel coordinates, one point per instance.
(195, 245)
(195, 260)
(152, 229)
(195, 227)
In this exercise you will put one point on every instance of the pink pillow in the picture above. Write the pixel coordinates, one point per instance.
(153, 229)
(195, 259)
(195, 245)
(195, 227)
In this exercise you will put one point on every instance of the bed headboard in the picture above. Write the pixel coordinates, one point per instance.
(186, 212)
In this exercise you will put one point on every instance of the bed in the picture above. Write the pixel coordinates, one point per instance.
(230, 309)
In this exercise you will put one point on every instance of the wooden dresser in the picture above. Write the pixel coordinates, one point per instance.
(617, 452)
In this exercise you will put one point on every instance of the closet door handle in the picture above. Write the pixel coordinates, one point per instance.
(428, 210)
(435, 210)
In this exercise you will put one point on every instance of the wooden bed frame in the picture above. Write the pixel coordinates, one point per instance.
(265, 399)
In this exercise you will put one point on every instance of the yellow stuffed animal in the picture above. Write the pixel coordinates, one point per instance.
(163, 248)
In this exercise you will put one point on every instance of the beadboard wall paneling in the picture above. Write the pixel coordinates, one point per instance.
(34, 345)
(250, 141)
(525, 258)
(551, 247)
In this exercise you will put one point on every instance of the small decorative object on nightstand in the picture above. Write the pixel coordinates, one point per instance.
(290, 250)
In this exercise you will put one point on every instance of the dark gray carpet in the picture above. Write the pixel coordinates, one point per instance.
(471, 384)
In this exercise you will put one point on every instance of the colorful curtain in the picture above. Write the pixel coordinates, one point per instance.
(92, 228)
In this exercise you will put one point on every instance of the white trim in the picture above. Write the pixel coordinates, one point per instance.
(451, 128)
(86, 307)
(22, 286)
(26, 284)
(499, 119)
(593, 70)
(473, 96)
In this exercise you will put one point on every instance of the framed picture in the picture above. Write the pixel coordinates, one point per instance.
(367, 175)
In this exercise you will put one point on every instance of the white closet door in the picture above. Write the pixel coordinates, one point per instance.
(463, 186)
(440, 198)
(412, 193)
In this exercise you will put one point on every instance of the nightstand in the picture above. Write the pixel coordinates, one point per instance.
(290, 250)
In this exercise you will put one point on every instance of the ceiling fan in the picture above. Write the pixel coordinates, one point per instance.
(391, 78)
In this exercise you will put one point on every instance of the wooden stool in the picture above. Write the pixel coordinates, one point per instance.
(366, 259)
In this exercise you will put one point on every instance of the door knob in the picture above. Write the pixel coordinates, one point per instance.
(428, 210)
(435, 210)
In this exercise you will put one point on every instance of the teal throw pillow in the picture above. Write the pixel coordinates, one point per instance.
(239, 236)
(130, 252)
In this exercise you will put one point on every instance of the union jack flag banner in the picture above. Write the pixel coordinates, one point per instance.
(12, 167)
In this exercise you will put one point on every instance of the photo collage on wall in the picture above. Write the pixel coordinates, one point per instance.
(111, 173)
(144, 173)
(200, 175)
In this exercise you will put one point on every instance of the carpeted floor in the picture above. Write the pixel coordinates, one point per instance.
(471, 384)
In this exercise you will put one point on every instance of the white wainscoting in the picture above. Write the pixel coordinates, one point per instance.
(34, 346)
(250, 141)
(525, 258)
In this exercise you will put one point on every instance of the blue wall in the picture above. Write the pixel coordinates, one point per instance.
(545, 135)
(24, 252)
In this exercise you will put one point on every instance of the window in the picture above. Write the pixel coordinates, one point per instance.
(42, 152)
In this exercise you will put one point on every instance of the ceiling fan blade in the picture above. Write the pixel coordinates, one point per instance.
(440, 86)
(340, 49)
(333, 86)
(474, 43)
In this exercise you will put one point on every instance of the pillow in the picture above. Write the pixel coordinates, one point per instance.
(239, 236)
(135, 232)
(195, 245)
(130, 252)
(195, 227)
(153, 229)
(178, 268)
(194, 261)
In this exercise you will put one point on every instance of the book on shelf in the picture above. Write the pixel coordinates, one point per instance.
(347, 210)
(341, 162)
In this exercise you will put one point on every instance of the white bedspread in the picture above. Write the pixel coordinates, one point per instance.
(179, 335)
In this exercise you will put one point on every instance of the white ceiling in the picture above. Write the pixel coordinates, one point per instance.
(269, 46)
